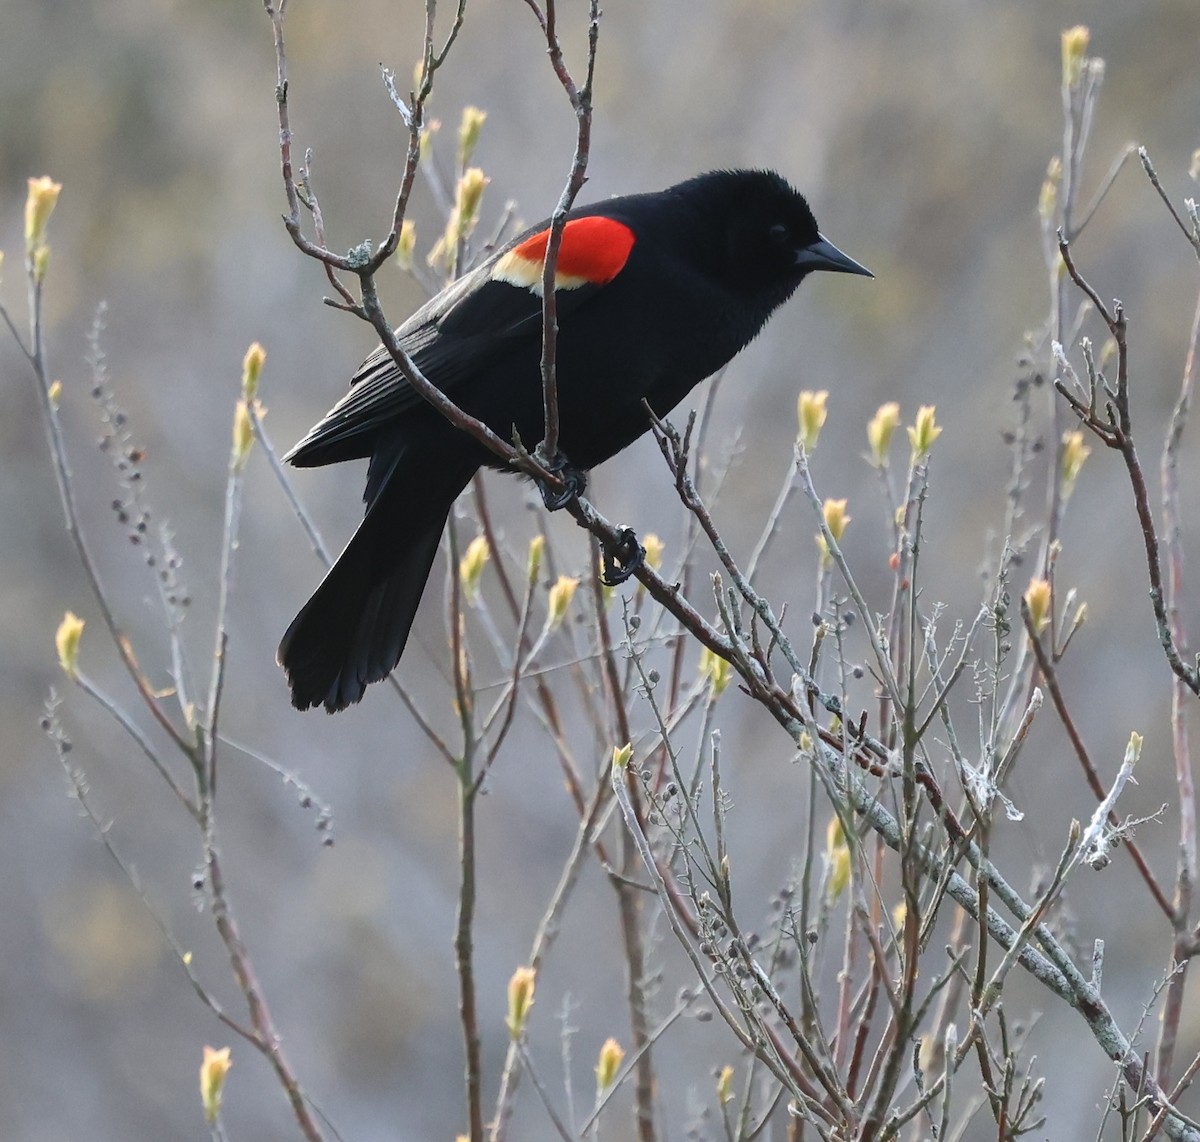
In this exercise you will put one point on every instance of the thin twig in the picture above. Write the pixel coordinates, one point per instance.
(56, 442)
(135, 732)
(543, 940)
(464, 943)
(1172, 529)
(580, 98)
(1117, 432)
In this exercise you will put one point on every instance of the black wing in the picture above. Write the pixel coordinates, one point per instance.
(454, 336)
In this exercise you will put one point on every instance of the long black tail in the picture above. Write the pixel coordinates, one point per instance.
(353, 630)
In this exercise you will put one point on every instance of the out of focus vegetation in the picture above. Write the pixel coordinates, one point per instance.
(921, 134)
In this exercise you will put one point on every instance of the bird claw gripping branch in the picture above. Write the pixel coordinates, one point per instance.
(622, 558)
(574, 484)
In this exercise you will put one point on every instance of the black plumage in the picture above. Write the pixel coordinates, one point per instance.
(656, 292)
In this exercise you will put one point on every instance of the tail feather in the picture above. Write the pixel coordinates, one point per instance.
(354, 628)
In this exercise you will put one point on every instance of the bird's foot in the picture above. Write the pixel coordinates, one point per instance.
(621, 558)
(574, 483)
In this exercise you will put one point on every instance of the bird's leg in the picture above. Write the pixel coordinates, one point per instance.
(621, 558)
(574, 483)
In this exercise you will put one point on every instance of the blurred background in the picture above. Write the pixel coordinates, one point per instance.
(921, 134)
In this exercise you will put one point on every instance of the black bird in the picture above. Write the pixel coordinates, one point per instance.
(655, 292)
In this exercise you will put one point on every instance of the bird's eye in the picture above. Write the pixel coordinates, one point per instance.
(779, 234)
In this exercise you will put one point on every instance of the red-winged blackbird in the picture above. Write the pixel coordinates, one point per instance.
(655, 292)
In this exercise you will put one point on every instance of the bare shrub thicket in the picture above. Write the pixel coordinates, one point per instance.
(868, 998)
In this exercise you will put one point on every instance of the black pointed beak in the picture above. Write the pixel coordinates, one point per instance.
(824, 255)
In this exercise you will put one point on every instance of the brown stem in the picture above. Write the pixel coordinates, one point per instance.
(1049, 674)
(464, 948)
(580, 99)
(247, 981)
(1184, 945)
(629, 898)
(1118, 433)
(57, 445)
(463, 957)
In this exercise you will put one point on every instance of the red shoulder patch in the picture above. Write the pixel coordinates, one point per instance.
(593, 250)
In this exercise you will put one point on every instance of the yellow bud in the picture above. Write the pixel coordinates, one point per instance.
(463, 216)
(213, 1070)
(654, 547)
(923, 433)
(1133, 750)
(611, 1056)
(811, 411)
(806, 742)
(835, 835)
(40, 261)
(243, 435)
(725, 1085)
(252, 365)
(1194, 169)
(54, 392)
(39, 205)
(406, 243)
(437, 256)
(879, 432)
(899, 915)
(66, 642)
(520, 1000)
(468, 133)
(927, 1053)
(1074, 453)
(533, 565)
(467, 199)
(187, 958)
(839, 872)
(561, 595)
(1081, 614)
(425, 147)
(1074, 50)
(622, 755)
(716, 669)
(837, 856)
(1037, 599)
(1048, 198)
(470, 567)
(836, 518)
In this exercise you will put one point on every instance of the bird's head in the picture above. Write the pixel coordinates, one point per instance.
(770, 239)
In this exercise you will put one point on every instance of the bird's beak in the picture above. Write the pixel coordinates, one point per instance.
(824, 255)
